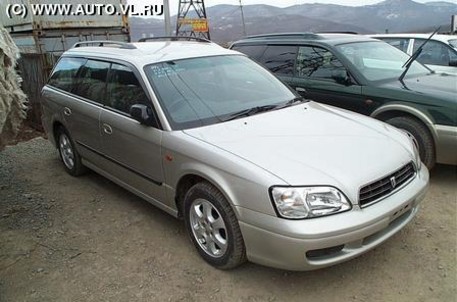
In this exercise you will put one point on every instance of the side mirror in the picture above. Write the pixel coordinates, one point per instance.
(143, 114)
(453, 62)
(341, 76)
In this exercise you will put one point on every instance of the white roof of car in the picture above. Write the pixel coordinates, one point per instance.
(152, 52)
(439, 37)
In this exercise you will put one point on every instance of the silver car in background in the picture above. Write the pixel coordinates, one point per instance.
(256, 172)
(439, 54)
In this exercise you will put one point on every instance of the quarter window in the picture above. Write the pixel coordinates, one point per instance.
(91, 82)
(124, 89)
(317, 62)
(280, 59)
(65, 73)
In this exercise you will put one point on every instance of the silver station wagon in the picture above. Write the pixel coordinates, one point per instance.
(256, 172)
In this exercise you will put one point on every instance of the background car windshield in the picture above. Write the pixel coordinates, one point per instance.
(379, 60)
(202, 91)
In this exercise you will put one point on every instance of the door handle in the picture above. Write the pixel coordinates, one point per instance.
(300, 89)
(107, 129)
(67, 111)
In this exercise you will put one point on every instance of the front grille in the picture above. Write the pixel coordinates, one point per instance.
(378, 189)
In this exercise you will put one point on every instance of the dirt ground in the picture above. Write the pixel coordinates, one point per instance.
(86, 239)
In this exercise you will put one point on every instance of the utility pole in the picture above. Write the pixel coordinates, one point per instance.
(166, 12)
(242, 19)
(192, 21)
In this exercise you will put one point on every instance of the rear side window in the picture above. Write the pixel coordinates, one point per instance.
(124, 89)
(280, 59)
(317, 62)
(65, 72)
(91, 82)
(252, 51)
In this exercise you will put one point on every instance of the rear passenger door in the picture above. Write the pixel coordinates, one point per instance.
(83, 82)
(133, 150)
(322, 77)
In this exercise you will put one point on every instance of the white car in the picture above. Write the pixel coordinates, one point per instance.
(439, 54)
(210, 136)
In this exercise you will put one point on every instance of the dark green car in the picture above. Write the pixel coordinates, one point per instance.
(365, 75)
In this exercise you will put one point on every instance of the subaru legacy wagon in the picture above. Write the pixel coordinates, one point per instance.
(255, 171)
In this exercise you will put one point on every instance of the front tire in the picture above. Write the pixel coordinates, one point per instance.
(213, 227)
(68, 154)
(423, 137)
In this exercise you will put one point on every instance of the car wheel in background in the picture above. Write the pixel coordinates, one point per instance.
(423, 137)
(213, 227)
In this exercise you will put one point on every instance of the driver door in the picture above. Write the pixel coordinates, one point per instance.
(133, 150)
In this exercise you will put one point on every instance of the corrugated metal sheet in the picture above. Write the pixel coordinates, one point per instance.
(44, 22)
(34, 70)
(57, 41)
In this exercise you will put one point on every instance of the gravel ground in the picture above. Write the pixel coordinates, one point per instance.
(86, 239)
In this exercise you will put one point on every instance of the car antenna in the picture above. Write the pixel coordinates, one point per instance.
(415, 55)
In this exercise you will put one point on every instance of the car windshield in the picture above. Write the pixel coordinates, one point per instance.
(453, 43)
(202, 91)
(379, 61)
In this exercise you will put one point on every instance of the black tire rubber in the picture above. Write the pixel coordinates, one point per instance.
(421, 134)
(78, 168)
(236, 251)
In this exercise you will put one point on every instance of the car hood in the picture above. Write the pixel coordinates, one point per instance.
(436, 85)
(313, 144)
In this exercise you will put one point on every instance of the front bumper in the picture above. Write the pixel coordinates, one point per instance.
(320, 242)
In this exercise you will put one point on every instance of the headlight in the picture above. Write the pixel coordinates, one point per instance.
(417, 157)
(308, 202)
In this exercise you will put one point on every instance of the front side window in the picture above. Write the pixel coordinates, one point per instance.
(433, 53)
(202, 91)
(280, 59)
(378, 61)
(124, 89)
(91, 82)
(319, 63)
(65, 73)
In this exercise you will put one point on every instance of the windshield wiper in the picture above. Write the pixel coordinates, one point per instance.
(415, 55)
(250, 111)
(298, 99)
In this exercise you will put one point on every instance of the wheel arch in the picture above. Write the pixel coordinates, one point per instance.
(396, 110)
(55, 126)
(189, 179)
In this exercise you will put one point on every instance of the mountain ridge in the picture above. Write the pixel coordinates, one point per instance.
(389, 15)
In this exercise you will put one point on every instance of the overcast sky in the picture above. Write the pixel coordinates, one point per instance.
(281, 3)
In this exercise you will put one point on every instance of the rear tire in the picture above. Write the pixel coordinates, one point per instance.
(423, 137)
(68, 154)
(213, 227)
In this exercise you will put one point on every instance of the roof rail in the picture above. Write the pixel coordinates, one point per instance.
(304, 35)
(175, 38)
(124, 45)
(339, 32)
